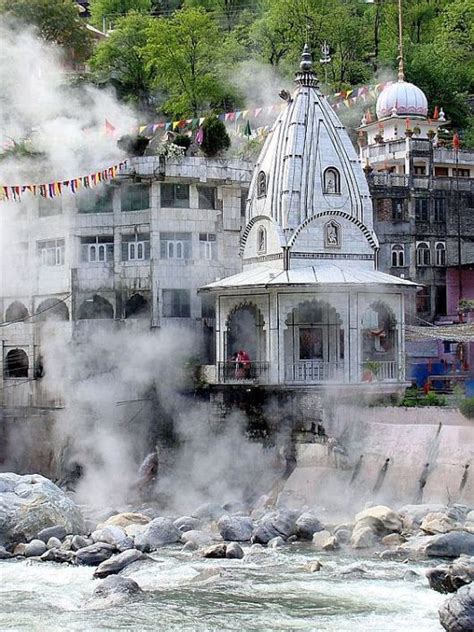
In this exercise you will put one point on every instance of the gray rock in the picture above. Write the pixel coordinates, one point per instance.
(19, 549)
(457, 613)
(4, 554)
(200, 538)
(448, 579)
(412, 515)
(410, 576)
(234, 551)
(58, 531)
(343, 536)
(80, 542)
(67, 543)
(158, 532)
(30, 503)
(363, 537)
(437, 522)
(117, 585)
(187, 523)
(209, 511)
(235, 528)
(35, 548)
(53, 543)
(451, 544)
(117, 562)
(380, 519)
(276, 543)
(215, 551)
(307, 525)
(190, 546)
(274, 524)
(113, 535)
(324, 541)
(95, 554)
(458, 512)
(58, 555)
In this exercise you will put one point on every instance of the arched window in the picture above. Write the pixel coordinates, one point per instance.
(16, 311)
(95, 307)
(398, 256)
(423, 254)
(261, 241)
(332, 181)
(261, 184)
(16, 364)
(440, 253)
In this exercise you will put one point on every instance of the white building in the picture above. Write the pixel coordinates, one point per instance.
(309, 306)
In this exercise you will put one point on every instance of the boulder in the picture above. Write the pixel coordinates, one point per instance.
(30, 503)
(276, 543)
(215, 551)
(35, 548)
(19, 549)
(307, 525)
(190, 546)
(457, 613)
(343, 536)
(364, 537)
(135, 529)
(4, 554)
(412, 515)
(115, 585)
(117, 562)
(392, 539)
(187, 523)
(437, 522)
(200, 538)
(58, 531)
(95, 554)
(313, 567)
(451, 544)
(124, 520)
(448, 579)
(53, 543)
(113, 535)
(158, 532)
(58, 555)
(80, 542)
(380, 518)
(66, 545)
(234, 551)
(209, 511)
(274, 524)
(235, 528)
(324, 541)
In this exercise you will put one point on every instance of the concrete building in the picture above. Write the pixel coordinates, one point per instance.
(310, 308)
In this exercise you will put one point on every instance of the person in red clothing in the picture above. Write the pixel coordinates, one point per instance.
(242, 370)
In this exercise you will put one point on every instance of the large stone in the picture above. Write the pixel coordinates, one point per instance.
(448, 579)
(58, 531)
(58, 555)
(276, 543)
(95, 554)
(324, 541)
(235, 528)
(412, 515)
(200, 538)
(53, 543)
(234, 551)
(187, 523)
(209, 511)
(451, 544)
(364, 537)
(124, 520)
(307, 525)
(457, 613)
(30, 503)
(117, 562)
(4, 554)
(380, 518)
(215, 551)
(274, 524)
(113, 535)
(115, 585)
(158, 532)
(80, 542)
(35, 548)
(437, 522)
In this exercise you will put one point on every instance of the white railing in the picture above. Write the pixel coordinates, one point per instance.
(314, 371)
(385, 371)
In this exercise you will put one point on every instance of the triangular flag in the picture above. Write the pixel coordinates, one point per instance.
(109, 128)
(247, 130)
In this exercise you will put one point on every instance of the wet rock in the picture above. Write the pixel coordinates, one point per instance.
(58, 555)
(187, 523)
(276, 543)
(4, 554)
(113, 535)
(35, 548)
(80, 542)
(274, 524)
(458, 512)
(451, 544)
(364, 537)
(291, 539)
(324, 541)
(116, 563)
(19, 549)
(116, 585)
(135, 529)
(190, 546)
(410, 575)
(95, 554)
(307, 525)
(66, 545)
(215, 551)
(457, 613)
(380, 519)
(314, 567)
(125, 520)
(449, 578)
(437, 522)
(200, 538)
(234, 551)
(235, 528)
(412, 515)
(58, 531)
(343, 536)
(415, 547)
(209, 511)
(53, 543)
(394, 554)
(158, 532)
(30, 503)
(392, 539)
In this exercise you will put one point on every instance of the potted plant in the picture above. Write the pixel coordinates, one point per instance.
(370, 370)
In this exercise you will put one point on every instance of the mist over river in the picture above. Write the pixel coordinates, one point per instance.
(270, 589)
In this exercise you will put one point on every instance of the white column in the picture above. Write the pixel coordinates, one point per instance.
(352, 353)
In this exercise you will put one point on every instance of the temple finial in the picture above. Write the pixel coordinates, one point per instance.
(306, 59)
(401, 70)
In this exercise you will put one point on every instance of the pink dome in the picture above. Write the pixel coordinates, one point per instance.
(405, 97)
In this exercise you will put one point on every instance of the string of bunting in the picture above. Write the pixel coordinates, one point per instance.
(13, 193)
(348, 98)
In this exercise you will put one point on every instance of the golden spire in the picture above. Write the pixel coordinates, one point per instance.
(401, 72)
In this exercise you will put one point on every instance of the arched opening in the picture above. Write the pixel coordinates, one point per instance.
(398, 256)
(261, 240)
(440, 250)
(137, 307)
(244, 343)
(379, 343)
(52, 309)
(261, 184)
(314, 343)
(332, 181)
(423, 254)
(16, 311)
(16, 364)
(95, 307)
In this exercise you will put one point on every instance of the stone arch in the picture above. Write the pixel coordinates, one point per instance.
(16, 364)
(52, 309)
(16, 311)
(251, 224)
(96, 307)
(331, 181)
(244, 330)
(137, 307)
(371, 239)
(262, 184)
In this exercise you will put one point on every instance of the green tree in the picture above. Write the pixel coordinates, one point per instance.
(227, 11)
(57, 21)
(108, 11)
(187, 55)
(216, 140)
(120, 59)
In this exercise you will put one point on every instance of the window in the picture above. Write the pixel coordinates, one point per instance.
(419, 170)
(421, 210)
(332, 181)
(423, 254)
(261, 241)
(398, 256)
(423, 300)
(97, 249)
(175, 245)
(243, 201)
(175, 195)
(440, 253)
(207, 197)
(176, 304)
(208, 306)
(51, 253)
(135, 197)
(136, 247)
(461, 173)
(16, 364)
(439, 209)
(49, 206)
(398, 209)
(207, 246)
(442, 172)
(98, 200)
(262, 184)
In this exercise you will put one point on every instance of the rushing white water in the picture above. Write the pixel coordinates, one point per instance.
(267, 590)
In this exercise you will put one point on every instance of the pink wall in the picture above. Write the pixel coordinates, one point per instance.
(452, 288)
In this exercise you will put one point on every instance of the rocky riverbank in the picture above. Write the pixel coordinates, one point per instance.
(40, 522)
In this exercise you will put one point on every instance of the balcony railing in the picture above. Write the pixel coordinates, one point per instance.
(385, 371)
(233, 373)
(314, 371)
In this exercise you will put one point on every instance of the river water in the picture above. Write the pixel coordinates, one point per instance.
(267, 590)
